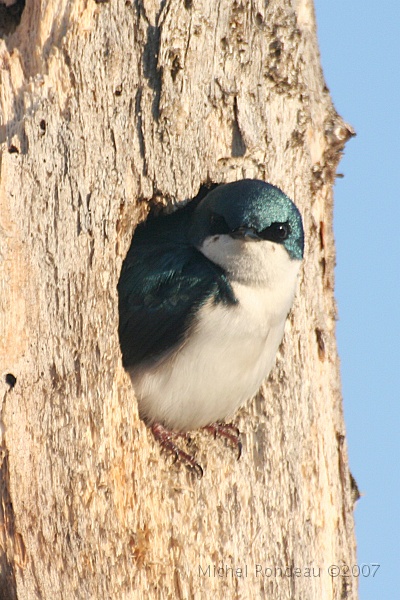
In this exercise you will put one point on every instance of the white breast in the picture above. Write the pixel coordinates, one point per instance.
(223, 361)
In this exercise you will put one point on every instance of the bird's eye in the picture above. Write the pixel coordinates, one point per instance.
(282, 230)
(277, 232)
(218, 225)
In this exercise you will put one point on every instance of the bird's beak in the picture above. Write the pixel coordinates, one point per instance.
(245, 234)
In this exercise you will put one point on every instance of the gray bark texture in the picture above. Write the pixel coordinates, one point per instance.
(108, 109)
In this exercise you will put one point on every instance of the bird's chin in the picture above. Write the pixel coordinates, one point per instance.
(247, 260)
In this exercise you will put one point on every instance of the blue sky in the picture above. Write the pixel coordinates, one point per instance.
(360, 50)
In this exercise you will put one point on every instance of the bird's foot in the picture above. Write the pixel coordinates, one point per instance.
(228, 431)
(166, 438)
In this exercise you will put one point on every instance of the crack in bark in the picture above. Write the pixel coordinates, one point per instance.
(8, 587)
(151, 70)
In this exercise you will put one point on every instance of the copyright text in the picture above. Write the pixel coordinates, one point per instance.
(266, 571)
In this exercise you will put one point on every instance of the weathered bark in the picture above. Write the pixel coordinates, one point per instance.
(108, 109)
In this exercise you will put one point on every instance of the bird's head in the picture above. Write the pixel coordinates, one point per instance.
(250, 228)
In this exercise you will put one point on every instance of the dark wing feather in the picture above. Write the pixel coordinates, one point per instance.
(164, 280)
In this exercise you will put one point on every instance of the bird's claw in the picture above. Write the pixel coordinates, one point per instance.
(166, 439)
(228, 431)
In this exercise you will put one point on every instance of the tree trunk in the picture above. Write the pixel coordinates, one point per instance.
(107, 110)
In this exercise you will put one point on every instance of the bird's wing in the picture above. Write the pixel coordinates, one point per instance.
(162, 285)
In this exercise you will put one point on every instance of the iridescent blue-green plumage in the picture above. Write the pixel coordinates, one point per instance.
(253, 204)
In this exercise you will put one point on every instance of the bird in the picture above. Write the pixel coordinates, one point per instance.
(204, 293)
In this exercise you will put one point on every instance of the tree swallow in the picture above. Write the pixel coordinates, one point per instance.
(203, 298)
